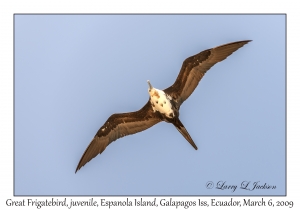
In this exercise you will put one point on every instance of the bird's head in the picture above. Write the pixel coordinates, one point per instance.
(150, 86)
(153, 92)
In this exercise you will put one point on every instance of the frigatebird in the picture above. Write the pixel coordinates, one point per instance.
(163, 105)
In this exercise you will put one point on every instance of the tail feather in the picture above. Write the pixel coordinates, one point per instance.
(180, 127)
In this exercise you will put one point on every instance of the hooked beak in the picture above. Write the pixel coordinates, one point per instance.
(150, 86)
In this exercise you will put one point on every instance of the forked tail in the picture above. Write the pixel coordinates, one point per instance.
(180, 127)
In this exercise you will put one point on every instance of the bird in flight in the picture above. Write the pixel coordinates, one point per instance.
(163, 105)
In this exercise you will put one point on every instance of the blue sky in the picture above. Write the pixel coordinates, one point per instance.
(73, 71)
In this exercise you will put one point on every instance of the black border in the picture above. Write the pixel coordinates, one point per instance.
(15, 14)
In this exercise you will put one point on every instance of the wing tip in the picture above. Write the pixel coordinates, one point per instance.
(78, 168)
(247, 41)
(240, 43)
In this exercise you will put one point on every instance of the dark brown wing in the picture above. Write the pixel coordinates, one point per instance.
(117, 126)
(194, 68)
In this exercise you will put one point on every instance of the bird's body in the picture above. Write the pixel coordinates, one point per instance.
(163, 105)
(161, 102)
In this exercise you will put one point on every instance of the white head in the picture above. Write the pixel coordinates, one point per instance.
(150, 89)
(153, 92)
(150, 86)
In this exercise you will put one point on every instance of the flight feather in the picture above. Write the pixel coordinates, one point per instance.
(194, 68)
(118, 126)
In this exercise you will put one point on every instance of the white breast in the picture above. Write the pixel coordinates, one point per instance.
(160, 102)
